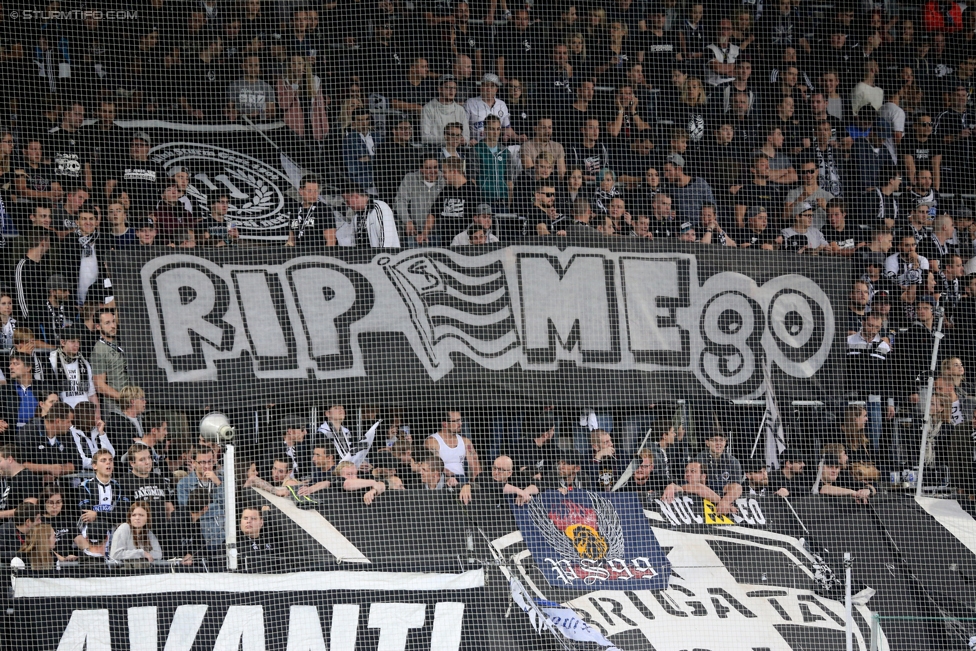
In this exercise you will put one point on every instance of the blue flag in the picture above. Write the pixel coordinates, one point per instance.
(593, 541)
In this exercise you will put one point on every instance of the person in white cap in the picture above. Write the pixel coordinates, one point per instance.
(486, 104)
(480, 231)
(802, 236)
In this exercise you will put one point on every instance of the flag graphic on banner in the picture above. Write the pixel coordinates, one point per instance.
(586, 540)
(457, 308)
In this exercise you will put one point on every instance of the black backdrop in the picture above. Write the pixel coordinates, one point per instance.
(397, 530)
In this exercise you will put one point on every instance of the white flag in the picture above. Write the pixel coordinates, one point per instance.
(548, 615)
(571, 626)
(360, 456)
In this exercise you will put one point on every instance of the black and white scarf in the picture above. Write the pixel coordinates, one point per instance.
(58, 319)
(829, 177)
(303, 219)
(87, 445)
(7, 334)
(349, 447)
(118, 349)
(87, 243)
(79, 386)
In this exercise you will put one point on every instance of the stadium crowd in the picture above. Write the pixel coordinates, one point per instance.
(843, 131)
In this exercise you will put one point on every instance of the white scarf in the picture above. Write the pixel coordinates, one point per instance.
(385, 234)
(89, 445)
(368, 141)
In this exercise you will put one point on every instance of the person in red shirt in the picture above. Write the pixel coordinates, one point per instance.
(941, 16)
(175, 224)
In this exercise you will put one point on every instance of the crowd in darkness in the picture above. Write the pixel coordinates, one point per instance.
(842, 131)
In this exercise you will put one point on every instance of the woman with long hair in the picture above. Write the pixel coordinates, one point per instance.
(830, 85)
(570, 192)
(39, 548)
(956, 443)
(583, 68)
(953, 370)
(949, 384)
(134, 539)
(689, 111)
(936, 442)
(55, 515)
(299, 95)
(857, 445)
(595, 29)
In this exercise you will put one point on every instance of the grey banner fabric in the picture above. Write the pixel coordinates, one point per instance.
(628, 322)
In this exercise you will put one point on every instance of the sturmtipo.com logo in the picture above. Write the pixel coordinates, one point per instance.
(74, 14)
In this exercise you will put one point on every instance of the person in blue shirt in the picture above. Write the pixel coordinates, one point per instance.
(206, 476)
(21, 396)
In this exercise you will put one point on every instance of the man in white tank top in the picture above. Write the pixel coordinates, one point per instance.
(454, 450)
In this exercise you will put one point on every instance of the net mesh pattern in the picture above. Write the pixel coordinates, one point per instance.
(451, 325)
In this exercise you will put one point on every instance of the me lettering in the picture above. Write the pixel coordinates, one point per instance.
(569, 312)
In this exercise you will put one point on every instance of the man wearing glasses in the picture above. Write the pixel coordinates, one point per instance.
(543, 218)
(810, 192)
(438, 113)
(453, 142)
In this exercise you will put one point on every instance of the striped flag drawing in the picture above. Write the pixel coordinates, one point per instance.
(455, 307)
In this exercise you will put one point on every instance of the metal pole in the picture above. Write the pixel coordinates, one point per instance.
(762, 423)
(230, 509)
(254, 128)
(927, 419)
(848, 615)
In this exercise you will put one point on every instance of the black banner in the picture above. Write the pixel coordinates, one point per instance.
(245, 163)
(777, 582)
(527, 323)
(732, 587)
